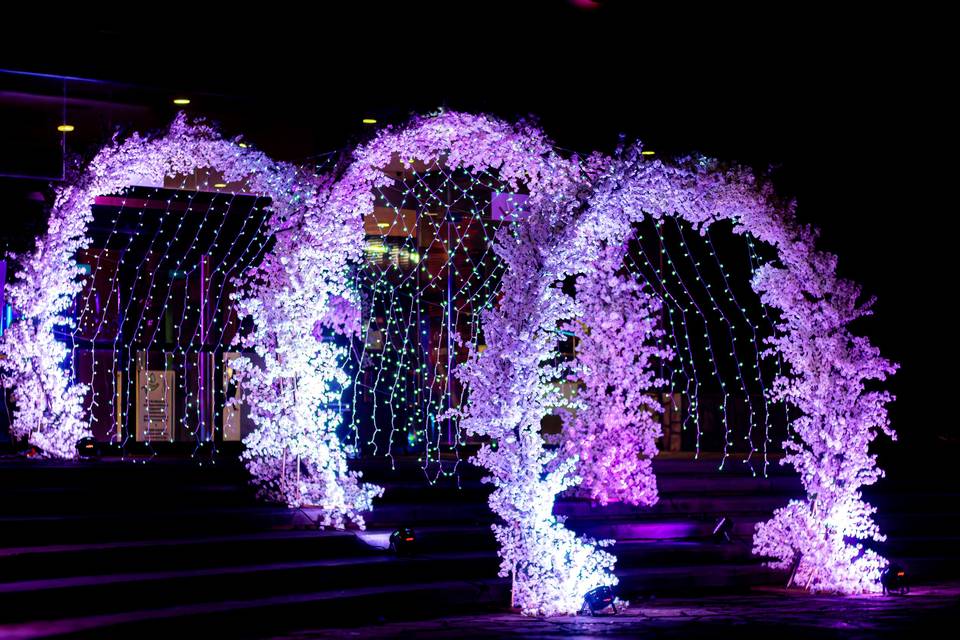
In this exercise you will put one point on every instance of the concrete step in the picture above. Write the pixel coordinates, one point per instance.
(100, 558)
(642, 582)
(666, 553)
(52, 598)
(420, 514)
(260, 616)
(118, 525)
(660, 529)
(702, 504)
(98, 499)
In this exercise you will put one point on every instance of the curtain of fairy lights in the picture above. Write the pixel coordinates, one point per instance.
(157, 306)
(717, 382)
(429, 270)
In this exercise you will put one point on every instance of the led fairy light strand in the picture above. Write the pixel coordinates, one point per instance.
(137, 330)
(472, 300)
(85, 307)
(669, 300)
(388, 340)
(755, 344)
(115, 293)
(711, 350)
(115, 361)
(174, 260)
(450, 306)
(754, 265)
(102, 312)
(229, 277)
(421, 192)
(715, 306)
(260, 232)
(131, 301)
(707, 288)
(123, 314)
(191, 247)
(381, 282)
(185, 348)
(828, 366)
(463, 292)
(651, 274)
(670, 372)
(633, 268)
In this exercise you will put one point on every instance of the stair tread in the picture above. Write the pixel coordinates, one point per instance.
(178, 542)
(143, 576)
(44, 628)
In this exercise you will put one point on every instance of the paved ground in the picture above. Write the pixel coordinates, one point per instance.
(926, 612)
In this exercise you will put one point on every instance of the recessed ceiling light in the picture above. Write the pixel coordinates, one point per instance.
(181, 101)
(369, 121)
(383, 225)
(220, 185)
(646, 153)
(244, 145)
(65, 128)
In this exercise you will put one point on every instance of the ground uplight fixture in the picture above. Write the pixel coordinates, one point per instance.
(403, 541)
(88, 448)
(598, 599)
(894, 580)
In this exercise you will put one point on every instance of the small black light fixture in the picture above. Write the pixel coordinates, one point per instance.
(88, 448)
(722, 530)
(599, 599)
(403, 541)
(894, 580)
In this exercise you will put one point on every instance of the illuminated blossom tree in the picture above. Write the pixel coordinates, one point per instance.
(295, 455)
(822, 536)
(49, 410)
(48, 404)
(511, 385)
(299, 299)
(615, 429)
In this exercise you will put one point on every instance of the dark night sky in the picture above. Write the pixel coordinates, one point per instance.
(848, 105)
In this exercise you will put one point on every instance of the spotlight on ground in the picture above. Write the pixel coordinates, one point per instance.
(599, 599)
(403, 541)
(722, 530)
(88, 448)
(894, 580)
